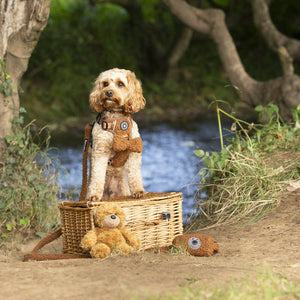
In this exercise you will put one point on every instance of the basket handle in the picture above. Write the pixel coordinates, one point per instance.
(35, 255)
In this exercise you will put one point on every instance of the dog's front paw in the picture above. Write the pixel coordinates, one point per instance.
(139, 194)
(94, 198)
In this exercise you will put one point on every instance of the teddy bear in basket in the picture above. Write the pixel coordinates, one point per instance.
(109, 233)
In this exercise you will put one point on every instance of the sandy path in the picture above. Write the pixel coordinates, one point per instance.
(274, 241)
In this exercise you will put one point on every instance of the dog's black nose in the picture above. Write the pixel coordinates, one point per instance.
(113, 216)
(109, 93)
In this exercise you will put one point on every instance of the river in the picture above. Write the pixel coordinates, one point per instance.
(168, 160)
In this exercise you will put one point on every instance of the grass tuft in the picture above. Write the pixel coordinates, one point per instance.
(245, 180)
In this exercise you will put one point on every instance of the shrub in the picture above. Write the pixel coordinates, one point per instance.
(28, 188)
(245, 179)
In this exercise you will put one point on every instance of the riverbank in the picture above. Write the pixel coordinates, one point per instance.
(245, 251)
(181, 117)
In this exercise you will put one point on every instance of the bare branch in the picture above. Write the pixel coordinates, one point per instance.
(273, 37)
(286, 61)
(180, 47)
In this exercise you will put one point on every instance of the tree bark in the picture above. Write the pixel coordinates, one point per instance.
(283, 91)
(22, 22)
(272, 36)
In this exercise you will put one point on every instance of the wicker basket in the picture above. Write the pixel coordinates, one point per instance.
(156, 219)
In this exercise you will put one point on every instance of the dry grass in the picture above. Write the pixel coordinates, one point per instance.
(246, 179)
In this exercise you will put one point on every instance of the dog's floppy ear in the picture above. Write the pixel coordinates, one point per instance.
(95, 100)
(136, 100)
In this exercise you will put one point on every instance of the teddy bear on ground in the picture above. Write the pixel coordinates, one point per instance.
(197, 244)
(109, 233)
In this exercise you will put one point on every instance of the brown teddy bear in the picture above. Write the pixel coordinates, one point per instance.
(123, 142)
(197, 244)
(109, 234)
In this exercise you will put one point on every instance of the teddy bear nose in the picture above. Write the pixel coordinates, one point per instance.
(109, 93)
(113, 216)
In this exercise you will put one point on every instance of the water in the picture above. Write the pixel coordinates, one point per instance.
(168, 161)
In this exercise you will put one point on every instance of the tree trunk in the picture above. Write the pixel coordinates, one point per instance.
(22, 22)
(283, 91)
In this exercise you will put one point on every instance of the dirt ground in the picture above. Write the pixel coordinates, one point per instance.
(273, 241)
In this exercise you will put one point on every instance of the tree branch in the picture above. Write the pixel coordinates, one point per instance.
(273, 37)
(191, 16)
(212, 23)
(180, 47)
(286, 61)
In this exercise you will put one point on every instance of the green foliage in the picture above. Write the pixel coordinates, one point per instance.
(28, 188)
(245, 178)
(82, 40)
(77, 44)
(5, 80)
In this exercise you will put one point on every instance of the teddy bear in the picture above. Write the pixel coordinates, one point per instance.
(109, 233)
(123, 142)
(197, 244)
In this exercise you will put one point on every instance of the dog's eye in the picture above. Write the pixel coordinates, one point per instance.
(120, 84)
(105, 83)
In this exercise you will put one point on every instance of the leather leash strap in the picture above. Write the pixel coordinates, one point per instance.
(35, 255)
(87, 140)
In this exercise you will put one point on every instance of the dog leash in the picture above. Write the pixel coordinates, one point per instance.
(35, 255)
(87, 140)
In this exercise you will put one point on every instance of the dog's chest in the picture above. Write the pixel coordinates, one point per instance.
(102, 140)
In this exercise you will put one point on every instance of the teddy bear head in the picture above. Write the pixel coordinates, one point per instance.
(109, 215)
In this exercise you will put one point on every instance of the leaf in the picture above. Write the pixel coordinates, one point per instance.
(22, 110)
(259, 108)
(9, 138)
(9, 226)
(199, 153)
(24, 221)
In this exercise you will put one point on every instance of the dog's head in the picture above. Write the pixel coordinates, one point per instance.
(117, 89)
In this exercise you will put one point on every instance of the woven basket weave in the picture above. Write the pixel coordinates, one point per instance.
(156, 219)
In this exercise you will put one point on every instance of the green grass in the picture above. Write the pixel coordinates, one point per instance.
(262, 285)
(266, 285)
(245, 180)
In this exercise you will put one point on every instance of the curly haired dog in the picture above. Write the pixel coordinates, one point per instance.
(115, 155)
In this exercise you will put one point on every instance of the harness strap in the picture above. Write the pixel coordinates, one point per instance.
(121, 125)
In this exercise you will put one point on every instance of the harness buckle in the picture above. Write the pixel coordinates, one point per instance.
(104, 125)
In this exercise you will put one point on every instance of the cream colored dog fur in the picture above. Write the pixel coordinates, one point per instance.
(117, 93)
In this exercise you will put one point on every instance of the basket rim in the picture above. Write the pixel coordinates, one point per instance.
(125, 199)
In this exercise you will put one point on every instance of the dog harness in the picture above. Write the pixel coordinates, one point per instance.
(123, 143)
(121, 126)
